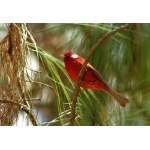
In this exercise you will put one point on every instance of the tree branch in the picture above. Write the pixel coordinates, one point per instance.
(91, 52)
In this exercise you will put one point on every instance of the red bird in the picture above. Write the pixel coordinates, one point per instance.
(91, 78)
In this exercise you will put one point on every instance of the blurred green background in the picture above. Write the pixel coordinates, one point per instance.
(123, 60)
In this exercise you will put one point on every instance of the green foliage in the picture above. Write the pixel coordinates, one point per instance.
(124, 62)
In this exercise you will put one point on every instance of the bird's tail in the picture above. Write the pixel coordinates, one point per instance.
(123, 101)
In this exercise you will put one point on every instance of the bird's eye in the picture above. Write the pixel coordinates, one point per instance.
(69, 55)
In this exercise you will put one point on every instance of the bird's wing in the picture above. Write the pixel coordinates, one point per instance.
(92, 70)
(96, 73)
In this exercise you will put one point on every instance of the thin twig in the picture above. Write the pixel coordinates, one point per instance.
(22, 94)
(91, 52)
(31, 115)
